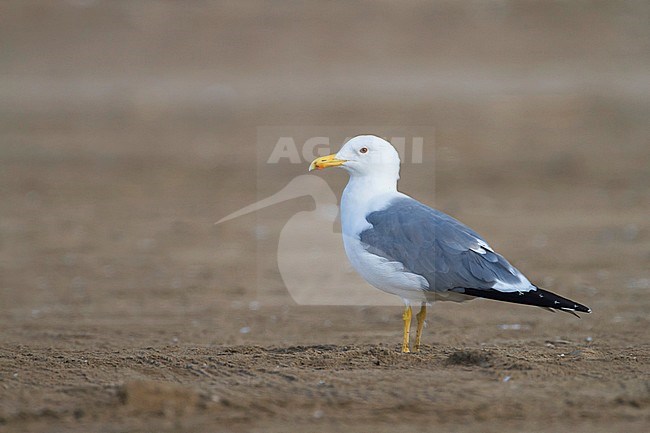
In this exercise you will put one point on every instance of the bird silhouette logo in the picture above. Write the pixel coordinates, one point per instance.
(310, 253)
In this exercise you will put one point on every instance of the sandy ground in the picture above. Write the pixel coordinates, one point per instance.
(124, 308)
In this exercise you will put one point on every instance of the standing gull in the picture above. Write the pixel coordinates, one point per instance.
(420, 254)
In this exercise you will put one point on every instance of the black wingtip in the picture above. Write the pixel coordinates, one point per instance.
(538, 297)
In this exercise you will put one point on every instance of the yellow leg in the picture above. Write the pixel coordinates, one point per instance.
(407, 329)
(421, 316)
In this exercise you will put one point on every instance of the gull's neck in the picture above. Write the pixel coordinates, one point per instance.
(364, 194)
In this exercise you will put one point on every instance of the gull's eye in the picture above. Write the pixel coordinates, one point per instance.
(363, 150)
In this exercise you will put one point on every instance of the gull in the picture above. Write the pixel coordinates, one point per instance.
(420, 254)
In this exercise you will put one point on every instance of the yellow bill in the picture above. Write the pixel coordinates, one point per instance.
(326, 161)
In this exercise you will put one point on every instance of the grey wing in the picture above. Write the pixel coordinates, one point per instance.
(447, 253)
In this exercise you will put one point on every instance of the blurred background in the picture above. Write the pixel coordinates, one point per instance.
(128, 128)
